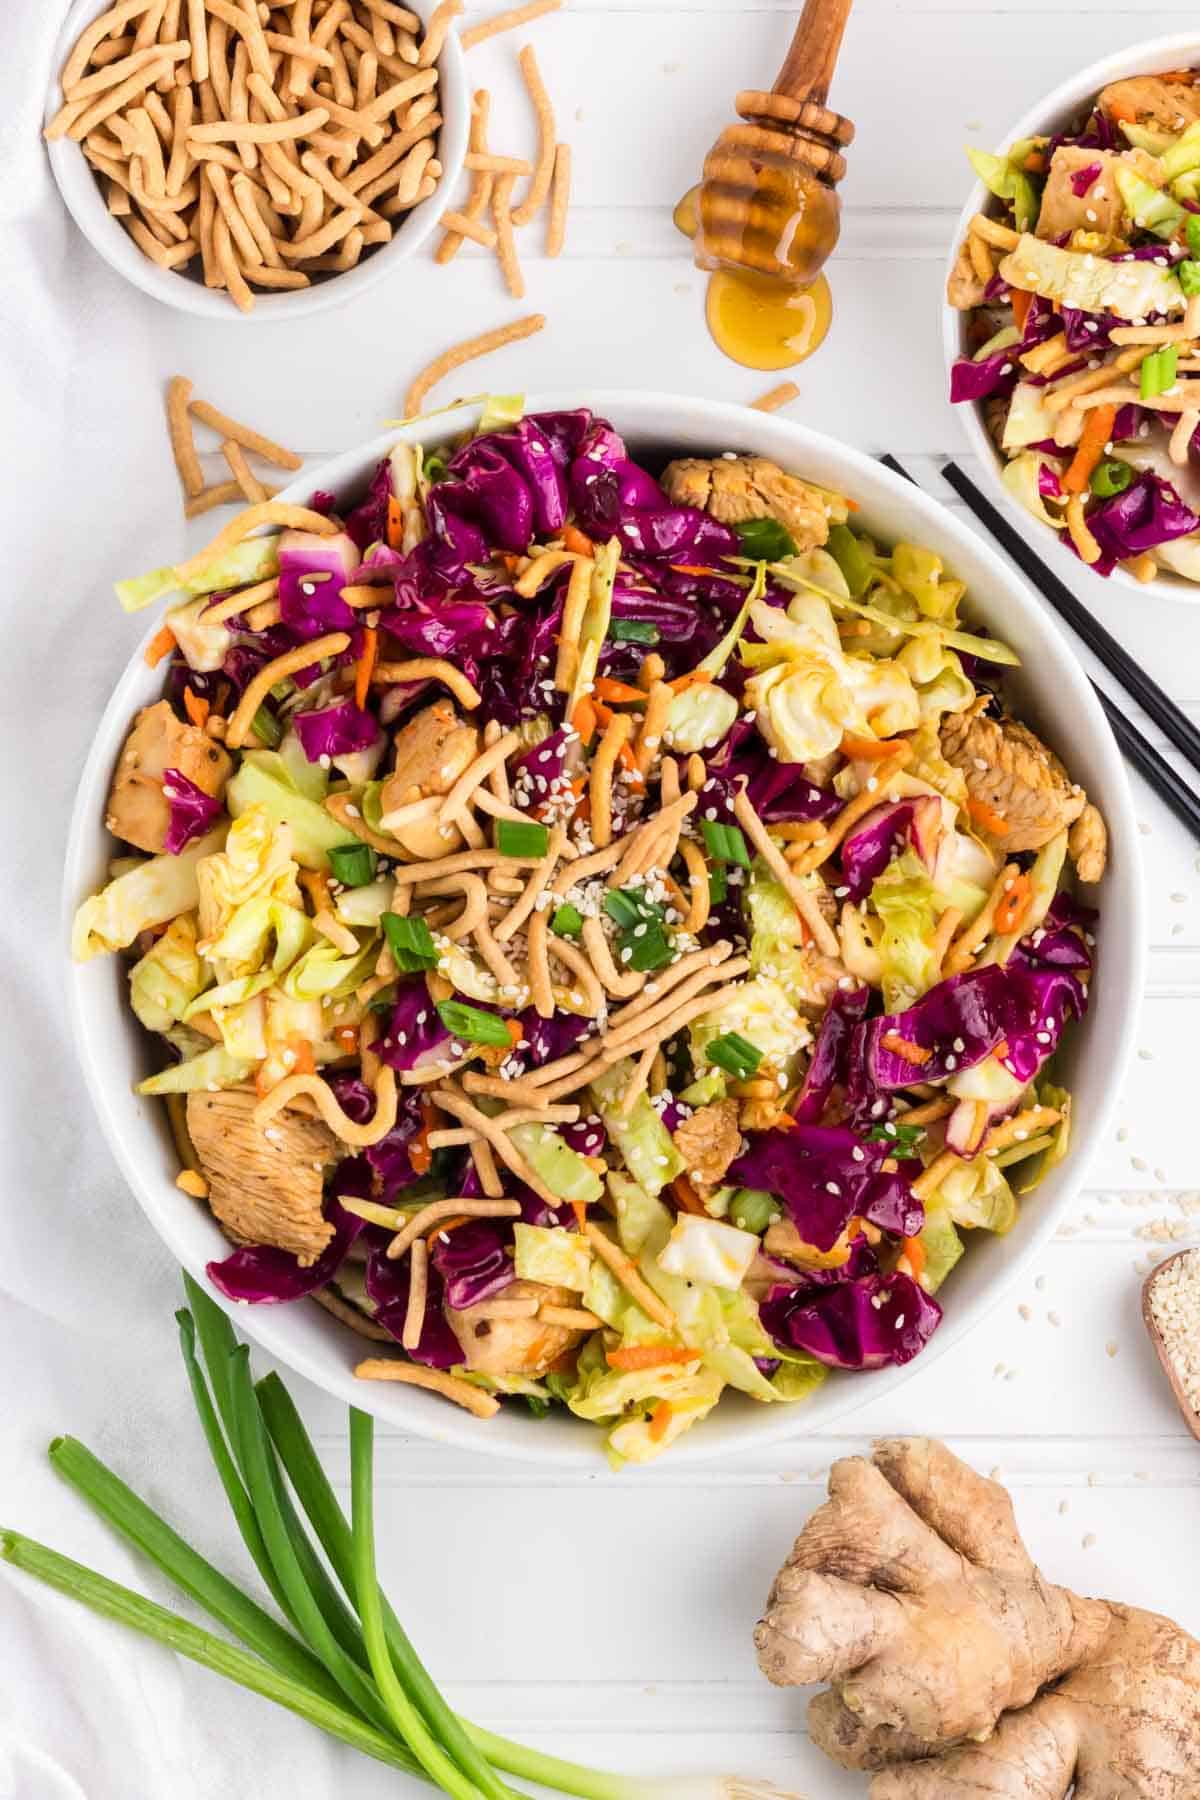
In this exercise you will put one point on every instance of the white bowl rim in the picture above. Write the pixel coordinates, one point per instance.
(82, 198)
(1146, 58)
(637, 414)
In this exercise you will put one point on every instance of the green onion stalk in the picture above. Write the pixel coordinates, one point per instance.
(341, 1660)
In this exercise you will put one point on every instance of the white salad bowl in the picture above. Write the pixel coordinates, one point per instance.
(1052, 113)
(185, 289)
(1049, 689)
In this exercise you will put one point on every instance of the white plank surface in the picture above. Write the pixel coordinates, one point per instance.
(662, 1574)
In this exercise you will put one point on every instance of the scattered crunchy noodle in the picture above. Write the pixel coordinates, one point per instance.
(458, 354)
(507, 21)
(775, 397)
(543, 171)
(227, 141)
(506, 247)
(453, 1387)
(236, 439)
(560, 197)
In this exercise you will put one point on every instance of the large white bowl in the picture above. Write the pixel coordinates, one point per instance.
(186, 290)
(1052, 113)
(1050, 691)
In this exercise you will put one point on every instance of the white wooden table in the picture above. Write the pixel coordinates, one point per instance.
(606, 1618)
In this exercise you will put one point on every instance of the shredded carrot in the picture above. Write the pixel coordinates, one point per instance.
(579, 1208)
(446, 1225)
(583, 719)
(1013, 904)
(395, 524)
(914, 1249)
(693, 678)
(364, 668)
(686, 1197)
(689, 569)
(860, 749)
(627, 758)
(649, 1356)
(510, 560)
(196, 707)
(1096, 434)
(1121, 112)
(346, 1039)
(618, 693)
(1022, 300)
(575, 541)
(904, 1048)
(420, 1156)
(1035, 163)
(983, 815)
(604, 713)
(302, 1052)
(160, 645)
(660, 1418)
(850, 505)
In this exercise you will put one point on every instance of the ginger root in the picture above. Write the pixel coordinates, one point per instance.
(957, 1670)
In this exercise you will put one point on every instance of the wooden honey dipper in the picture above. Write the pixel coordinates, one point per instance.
(768, 200)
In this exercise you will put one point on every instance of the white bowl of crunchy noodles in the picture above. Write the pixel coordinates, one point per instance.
(361, 249)
(1049, 690)
(1055, 112)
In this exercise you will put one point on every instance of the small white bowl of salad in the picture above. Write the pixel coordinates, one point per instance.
(1072, 316)
(585, 893)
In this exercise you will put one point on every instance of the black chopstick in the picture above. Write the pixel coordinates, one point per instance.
(1170, 787)
(1175, 725)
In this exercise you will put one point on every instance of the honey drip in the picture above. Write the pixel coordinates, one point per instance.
(759, 320)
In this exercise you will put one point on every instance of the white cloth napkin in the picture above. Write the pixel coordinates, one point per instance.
(86, 1290)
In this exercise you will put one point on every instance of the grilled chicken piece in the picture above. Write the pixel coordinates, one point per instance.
(1087, 845)
(514, 1346)
(1014, 778)
(431, 752)
(137, 807)
(965, 288)
(265, 1185)
(1100, 208)
(733, 489)
(1156, 100)
(709, 1141)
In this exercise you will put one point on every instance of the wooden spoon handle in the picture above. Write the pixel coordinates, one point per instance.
(808, 67)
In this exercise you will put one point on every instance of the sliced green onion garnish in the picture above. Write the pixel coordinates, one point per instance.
(627, 908)
(1112, 477)
(650, 951)
(410, 942)
(902, 1140)
(266, 728)
(521, 837)
(752, 1209)
(851, 559)
(766, 540)
(474, 1026)
(567, 921)
(734, 1053)
(725, 842)
(1158, 371)
(353, 864)
(1189, 274)
(718, 886)
(633, 631)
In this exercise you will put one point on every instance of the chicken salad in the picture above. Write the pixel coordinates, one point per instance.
(604, 936)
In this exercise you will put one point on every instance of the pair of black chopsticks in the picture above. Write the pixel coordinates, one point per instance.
(1170, 787)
